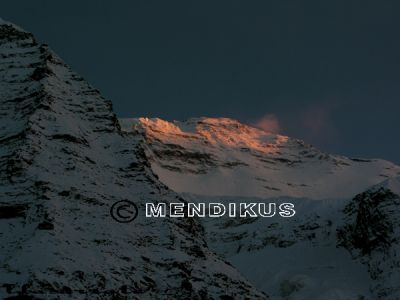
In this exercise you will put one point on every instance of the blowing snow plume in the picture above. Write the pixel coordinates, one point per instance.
(268, 123)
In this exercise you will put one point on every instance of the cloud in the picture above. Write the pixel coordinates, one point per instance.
(268, 123)
(318, 121)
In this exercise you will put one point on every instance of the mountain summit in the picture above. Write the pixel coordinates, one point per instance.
(342, 241)
(63, 162)
(223, 157)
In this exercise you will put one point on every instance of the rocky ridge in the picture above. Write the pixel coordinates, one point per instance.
(63, 162)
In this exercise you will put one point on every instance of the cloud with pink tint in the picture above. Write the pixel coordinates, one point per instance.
(318, 121)
(268, 123)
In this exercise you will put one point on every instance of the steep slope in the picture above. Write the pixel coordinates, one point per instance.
(337, 246)
(294, 258)
(222, 157)
(63, 163)
(372, 235)
(331, 249)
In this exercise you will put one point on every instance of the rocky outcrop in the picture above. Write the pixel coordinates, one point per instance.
(63, 162)
(372, 233)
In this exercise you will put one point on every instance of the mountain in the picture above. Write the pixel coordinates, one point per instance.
(63, 162)
(223, 157)
(342, 242)
(66, 159)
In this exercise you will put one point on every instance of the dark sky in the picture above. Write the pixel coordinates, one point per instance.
(324, 71)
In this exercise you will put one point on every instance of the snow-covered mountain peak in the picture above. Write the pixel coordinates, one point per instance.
(9, 24)
(63, 163)
(3, 22)
(392, 184)
(218, 132)
(220, 156)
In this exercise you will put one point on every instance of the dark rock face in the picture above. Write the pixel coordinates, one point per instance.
(372, 229)
(371, 233)
(63, 162)
(9, 33)
(12, 211)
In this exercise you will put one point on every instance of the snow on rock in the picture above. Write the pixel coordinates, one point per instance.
(371, 233)
(290, 258)
(392, 184)
(323, 252)
(63, 162)
(223, 157)
(4, 22)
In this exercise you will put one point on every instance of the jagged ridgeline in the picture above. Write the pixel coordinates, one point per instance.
(221, 156)
(63, 162)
